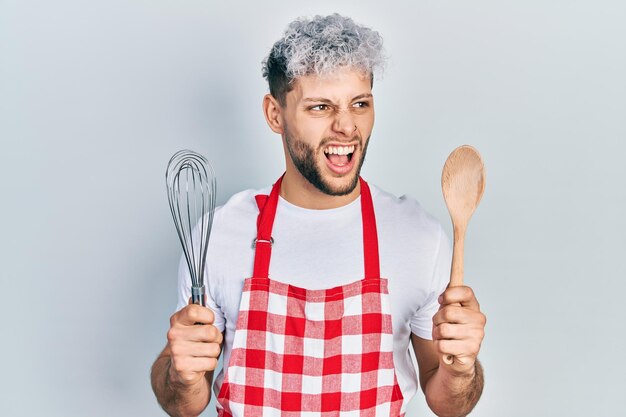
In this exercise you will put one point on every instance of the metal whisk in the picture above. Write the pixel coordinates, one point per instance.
(190, 182)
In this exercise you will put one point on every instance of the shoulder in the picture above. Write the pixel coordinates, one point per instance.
(404, 213)
(241, 203)
(236, 217)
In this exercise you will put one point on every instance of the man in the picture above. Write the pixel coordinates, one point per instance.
(316, 330)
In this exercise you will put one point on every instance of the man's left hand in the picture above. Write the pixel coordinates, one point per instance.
(458, 329)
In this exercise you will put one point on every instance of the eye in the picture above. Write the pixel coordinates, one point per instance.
(319, 107)
(361, 104)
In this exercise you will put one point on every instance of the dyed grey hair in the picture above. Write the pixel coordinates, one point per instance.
(320, 46)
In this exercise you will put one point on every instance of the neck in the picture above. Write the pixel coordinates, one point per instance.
(300, 192)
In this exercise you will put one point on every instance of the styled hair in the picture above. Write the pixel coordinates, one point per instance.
(320, 46)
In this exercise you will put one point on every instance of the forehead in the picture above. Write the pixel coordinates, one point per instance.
(338, 86)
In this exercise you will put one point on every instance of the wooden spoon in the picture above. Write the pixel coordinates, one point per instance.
(463, 185)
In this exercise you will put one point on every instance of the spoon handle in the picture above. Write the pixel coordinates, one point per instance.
(456, 273)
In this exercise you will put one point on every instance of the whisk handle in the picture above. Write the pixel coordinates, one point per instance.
(197, 295)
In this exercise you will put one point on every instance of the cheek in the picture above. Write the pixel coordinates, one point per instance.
(366, 121)
(312, 131)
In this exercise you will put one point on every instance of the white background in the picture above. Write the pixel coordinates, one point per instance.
(95, 96)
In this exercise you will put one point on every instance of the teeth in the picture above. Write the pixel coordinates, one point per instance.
(339, 150)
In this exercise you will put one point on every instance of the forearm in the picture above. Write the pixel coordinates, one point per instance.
(177, 399)
(448, 395)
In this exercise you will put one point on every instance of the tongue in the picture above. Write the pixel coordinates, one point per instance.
(338, 159)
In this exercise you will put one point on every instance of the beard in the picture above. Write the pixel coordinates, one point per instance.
(303, 156)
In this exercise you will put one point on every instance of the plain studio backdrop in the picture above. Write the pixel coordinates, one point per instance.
(96, 96)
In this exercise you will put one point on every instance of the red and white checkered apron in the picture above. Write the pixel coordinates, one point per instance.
(300, 352)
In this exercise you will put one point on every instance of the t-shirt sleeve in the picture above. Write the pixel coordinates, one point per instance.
(184, 293)
(421, 322)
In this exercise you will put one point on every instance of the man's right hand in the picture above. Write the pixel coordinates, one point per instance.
(194, 345)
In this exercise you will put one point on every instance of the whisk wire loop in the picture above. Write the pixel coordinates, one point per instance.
(191, 188)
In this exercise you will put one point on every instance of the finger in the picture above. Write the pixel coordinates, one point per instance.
(449, 331)
(451, 314)
(193, 313)
(205, 334)
(457, 348)
(462, 295)
(468, 332)
(195, 349)
(190, 364)
(459, 315)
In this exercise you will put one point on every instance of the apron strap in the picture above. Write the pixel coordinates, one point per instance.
(267, 212)
(264, 224)
(370, 234)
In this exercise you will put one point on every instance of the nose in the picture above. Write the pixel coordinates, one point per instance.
(344, 123)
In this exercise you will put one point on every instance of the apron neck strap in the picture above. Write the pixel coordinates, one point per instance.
(267, 212)
(370, 234)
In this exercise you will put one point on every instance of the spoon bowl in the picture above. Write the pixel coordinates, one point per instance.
(463, 185)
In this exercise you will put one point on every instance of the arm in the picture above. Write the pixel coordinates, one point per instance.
(458, 329)
(182, 374)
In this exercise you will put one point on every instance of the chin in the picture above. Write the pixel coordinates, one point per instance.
(339, 186)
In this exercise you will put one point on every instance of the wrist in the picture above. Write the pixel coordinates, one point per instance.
(467, 373)
(177, 384)
(453, 392)
(468, 383)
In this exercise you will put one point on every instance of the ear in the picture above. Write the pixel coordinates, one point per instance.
(272, 112)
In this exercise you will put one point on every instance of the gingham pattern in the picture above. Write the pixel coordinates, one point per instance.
(299, 352)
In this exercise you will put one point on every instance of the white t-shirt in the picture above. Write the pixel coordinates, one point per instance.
(318, 249)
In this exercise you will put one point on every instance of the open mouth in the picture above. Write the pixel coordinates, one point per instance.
(339, 155)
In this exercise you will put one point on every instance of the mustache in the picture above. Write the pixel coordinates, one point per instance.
(327, 140)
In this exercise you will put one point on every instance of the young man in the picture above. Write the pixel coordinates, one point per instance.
(316, 330)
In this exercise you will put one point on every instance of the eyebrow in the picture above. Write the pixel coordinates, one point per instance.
(327, 101)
